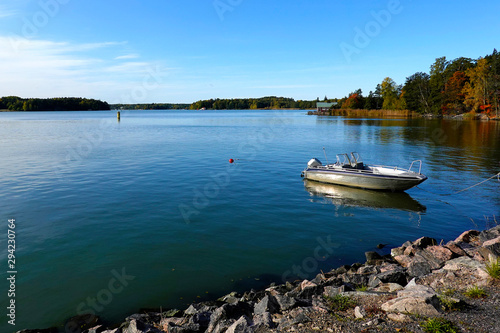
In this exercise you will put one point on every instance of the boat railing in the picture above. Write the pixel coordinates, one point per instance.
(419, 167)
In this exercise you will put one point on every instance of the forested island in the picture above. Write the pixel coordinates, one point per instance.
(14, 103)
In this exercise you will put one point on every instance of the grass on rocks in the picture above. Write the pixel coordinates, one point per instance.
(339, 302)
(475, 292)
(493, 269)
(438, 325)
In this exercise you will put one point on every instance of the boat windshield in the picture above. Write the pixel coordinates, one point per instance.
(343, 159)
(353, 161)
(356, 158)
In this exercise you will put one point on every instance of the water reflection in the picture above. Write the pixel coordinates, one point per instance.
(347, 196)
(452, 144)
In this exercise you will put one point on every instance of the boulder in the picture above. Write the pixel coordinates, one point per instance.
(490, 249)
(308, 289)
(300, 315)
(230, 298)
(267, 304)
(458, 264)
(467, 236)
(368, 270)
(136, 326)
(419, 267)
(355, 279)
(389, 288)
(225, 316)
(424, 242)
(242, 325)
(489, 234)
(332, 291)
(285, 303)
(415, 299)
(263, 321)
(403, 260)
(199, 308)
(453, 247)
(96, 329)
(374, 281)
(373, 258)
(469, 249)
(396, 275)
(441, 253)
(342, 269)
(398, 317)
(398, 251)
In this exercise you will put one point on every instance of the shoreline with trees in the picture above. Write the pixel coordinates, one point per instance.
(14, 103)
(465, 87)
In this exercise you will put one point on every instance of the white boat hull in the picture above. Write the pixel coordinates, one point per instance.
(374, 179)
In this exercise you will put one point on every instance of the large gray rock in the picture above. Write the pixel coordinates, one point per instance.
(424, 242)
(199, 308)
(458, 264)
(97, 329)
(395, 275)
(373, 258)
(285, 303)
(267, 304)
(242, 325)
(414, 299)
(419, 268)
(490, 249)
(263, 321)
(489, 234)
(225, 316)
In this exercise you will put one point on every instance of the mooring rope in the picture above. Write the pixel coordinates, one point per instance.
(465, 189)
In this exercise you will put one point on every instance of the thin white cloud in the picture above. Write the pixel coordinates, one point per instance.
(6, 12)
(127, 56)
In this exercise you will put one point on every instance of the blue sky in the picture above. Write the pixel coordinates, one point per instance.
(185, 50)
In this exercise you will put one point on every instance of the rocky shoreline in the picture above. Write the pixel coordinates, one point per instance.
(420, 283)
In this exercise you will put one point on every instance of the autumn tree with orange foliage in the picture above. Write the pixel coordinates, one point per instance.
(354, 101)
(453, 94)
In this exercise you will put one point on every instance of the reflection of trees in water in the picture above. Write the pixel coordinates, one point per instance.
(453, 143)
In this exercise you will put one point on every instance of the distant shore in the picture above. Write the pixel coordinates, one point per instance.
(398, 114)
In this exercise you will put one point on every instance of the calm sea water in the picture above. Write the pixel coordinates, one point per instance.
(112, 217)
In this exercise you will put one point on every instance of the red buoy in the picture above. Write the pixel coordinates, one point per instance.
(231, 160)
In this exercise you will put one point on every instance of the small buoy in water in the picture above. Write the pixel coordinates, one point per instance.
(231, 160)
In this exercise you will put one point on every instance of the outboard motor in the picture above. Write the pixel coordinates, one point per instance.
(314, 163)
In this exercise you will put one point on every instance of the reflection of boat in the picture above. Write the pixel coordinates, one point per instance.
(349, 196)
(351, 171)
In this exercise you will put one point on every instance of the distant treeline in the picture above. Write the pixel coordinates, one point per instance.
(150, 106)
(14, 103)
(270, 102)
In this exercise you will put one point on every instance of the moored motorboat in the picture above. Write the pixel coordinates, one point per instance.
(351, 171)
